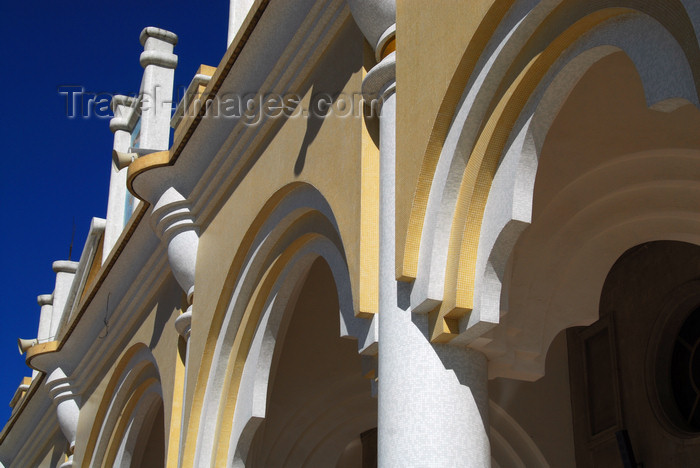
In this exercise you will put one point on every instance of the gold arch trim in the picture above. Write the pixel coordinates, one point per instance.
(232, 279)
(670, 14)
(107, 397)
(480, 171)
(124, 417)
(218, 319)
(244, 337)
(407, 256)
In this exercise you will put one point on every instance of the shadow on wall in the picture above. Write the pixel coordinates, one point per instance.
(326, 88)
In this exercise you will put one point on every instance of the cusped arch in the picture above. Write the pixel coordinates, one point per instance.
(508, 210)
(294, 228)
(509, 37)
(506, 49)
(648, 196)
(637, 197)
(632, 198)
(468, 244)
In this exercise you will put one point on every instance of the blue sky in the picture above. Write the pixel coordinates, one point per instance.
(55, 170)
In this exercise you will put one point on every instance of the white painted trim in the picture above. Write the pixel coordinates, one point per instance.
(300, 201)
(97, 229)
(122, 392)
(656, 56)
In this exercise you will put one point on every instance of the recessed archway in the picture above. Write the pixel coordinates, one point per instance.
(318, 400)
(129, 429)
(295, 229)
(144, 445)
(608, 173)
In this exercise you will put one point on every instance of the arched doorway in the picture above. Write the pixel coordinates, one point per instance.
(629, 372)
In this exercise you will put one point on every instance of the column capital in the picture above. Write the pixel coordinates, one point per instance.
(380, 81)
(158, 48)
(377, 21)
(183, 324)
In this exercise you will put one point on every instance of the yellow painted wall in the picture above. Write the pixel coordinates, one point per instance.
(157, 332)
(323, 153)
(431, 44)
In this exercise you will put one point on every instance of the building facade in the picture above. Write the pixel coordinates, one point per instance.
(381, 233)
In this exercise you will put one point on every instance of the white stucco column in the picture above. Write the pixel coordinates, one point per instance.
(46, 303)
(433, 398)
(159, 63)
(43, 333)
(67, 408)
(121, 125)
(238, 10)
(65, 271)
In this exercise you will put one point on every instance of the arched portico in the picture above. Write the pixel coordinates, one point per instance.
(483, 190)
(129, 426)
(570, 144)
(611, 174)
(317, 400)
(295, 230)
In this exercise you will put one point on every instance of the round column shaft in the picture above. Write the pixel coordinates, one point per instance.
(433, 399)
